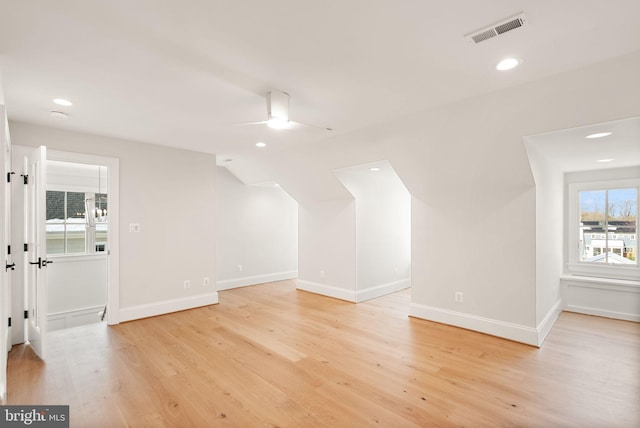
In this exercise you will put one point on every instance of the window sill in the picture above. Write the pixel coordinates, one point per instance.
(600, 281)
(604, 272)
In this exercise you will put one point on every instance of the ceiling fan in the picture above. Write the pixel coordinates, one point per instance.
(278, 113)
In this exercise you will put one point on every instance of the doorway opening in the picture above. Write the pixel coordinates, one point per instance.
(77, 225)
(79, 248)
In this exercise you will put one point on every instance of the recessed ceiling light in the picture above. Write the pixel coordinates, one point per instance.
(261, 144)
(604, 160)
(62, 102)
(598, 135)
(276, 185)
(59, 115)
(508, 64)
(374, 169)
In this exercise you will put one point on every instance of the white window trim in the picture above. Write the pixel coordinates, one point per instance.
(601, 270)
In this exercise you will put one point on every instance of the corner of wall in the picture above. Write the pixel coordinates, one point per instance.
(548, 322)
(505, 330)
(327, 290)
(165, 307)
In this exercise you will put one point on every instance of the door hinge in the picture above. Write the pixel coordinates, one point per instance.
(8, 249)
(9, 321)
(26, 247)
(25, 178)
(26, 314)
(9, 174)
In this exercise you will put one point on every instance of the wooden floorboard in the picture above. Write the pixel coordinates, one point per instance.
(270, 355)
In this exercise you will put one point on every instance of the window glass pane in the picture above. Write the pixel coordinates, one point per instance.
(55, 222)
(592, 223)
(76, 225)
(623, 217)
(608, 220)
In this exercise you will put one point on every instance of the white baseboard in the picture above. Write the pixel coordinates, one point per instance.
(549, 320)
(506, 330)
(160, 308)
(602, 313)
(74, 318)
(327, 290)
(382, 289)
(228, 284)
(351, 295)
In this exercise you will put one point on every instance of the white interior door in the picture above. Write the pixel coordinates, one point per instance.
(36, 255)
(5, 228)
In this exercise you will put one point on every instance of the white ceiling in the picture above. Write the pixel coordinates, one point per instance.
(182, 73)
(571, 151)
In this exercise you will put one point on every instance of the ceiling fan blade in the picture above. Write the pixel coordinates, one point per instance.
(306, 125)
(262, 122)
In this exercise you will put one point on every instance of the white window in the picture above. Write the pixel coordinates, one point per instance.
(603, 222)
(68, 230)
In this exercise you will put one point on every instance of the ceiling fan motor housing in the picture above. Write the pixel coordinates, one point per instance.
(278, 105)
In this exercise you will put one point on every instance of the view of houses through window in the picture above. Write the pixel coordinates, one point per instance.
(608, 226)
(69, 230)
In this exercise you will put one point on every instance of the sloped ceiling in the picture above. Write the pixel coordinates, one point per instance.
(183, 73)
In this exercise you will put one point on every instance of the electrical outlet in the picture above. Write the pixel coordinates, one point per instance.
(134, 227)
(321, 274)
(205, 281)
(459, 296)
(187, 284)
(239, 268)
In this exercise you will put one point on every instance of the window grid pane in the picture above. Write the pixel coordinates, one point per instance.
(608, 222)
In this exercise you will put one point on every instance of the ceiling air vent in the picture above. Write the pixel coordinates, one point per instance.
(496, 29)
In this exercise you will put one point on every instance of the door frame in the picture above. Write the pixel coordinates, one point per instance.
(5, 225)
(113, 232)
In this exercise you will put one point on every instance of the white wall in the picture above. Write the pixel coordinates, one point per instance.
(77, 290)
(257, 228)
(549, 180)
(383, 229)
(171, 194)
(327, 248)
(473, 192)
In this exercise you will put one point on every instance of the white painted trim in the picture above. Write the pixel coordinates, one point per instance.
(602, 313)
(597, 282)
(227, 284)
(65, 258)
(549, 320)
(382, 289)
(160, 308)
(621, 289)
(574, 266)
(506, 330)
(68, 316)
(327, 290)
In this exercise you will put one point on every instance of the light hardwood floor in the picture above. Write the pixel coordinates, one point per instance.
(269, 355)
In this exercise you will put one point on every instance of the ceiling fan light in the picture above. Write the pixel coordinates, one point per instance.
(277, 123)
